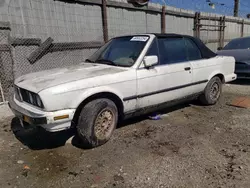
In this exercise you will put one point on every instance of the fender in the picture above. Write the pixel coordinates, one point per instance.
(92, 91)
(216, 72)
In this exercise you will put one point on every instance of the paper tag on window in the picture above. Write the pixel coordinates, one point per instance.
(138, 38)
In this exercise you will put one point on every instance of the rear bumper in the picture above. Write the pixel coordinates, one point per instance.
(38, 117)
(230, 77)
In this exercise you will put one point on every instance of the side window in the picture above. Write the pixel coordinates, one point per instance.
(153, 49)
(172, 50)
(192, 50)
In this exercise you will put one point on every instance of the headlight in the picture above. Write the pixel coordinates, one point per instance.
(30, 97)
(35, 99)
(39, 101)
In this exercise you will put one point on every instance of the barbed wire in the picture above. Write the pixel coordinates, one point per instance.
(246, 5)
(220, 6)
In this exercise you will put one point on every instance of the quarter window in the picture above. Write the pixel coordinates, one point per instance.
(192, 50)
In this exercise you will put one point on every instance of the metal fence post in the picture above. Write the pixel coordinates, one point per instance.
(242, 28)
(163, 20)
(105, 21)
(197, 25)
(222, 31)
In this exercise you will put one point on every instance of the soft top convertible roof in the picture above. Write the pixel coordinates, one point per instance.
(205, 51)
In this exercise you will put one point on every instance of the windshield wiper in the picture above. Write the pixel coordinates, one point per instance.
(106, 61)
(89, 60)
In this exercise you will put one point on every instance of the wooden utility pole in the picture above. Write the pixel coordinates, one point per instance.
(236, 8)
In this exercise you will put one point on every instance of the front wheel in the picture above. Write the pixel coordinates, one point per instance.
(212, 92)
(97, 122)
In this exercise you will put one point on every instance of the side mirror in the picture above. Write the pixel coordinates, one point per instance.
(150, 61)
(219, 48)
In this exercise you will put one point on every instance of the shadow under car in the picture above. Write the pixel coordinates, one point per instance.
(37, 138)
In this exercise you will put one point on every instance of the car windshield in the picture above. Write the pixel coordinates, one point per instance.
(242, 43)
(122, 51)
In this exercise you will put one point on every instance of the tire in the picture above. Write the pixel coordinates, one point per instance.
(97, 121)
(212, 92)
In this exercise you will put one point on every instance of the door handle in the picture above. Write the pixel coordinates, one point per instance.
(187, 68)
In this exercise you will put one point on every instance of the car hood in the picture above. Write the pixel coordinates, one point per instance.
(241, 55)
(45, 79)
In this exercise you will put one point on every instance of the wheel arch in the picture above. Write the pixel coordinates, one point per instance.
(218, 74)
(221, 76)
(108, 95)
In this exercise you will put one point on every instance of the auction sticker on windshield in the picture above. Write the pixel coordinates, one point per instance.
(139, 38)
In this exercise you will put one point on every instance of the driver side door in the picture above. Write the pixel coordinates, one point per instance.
(170, 79)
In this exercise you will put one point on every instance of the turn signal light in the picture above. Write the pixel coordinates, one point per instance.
(61, 117)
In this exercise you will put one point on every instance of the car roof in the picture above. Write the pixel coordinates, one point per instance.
(163, 35)
(246, 37)
(156, 34)
(205, 51)
(167, 35)
(240, 38)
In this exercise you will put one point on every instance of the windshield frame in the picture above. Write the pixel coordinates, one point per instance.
(140, 56)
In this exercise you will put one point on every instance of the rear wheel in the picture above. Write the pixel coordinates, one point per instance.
(212, 92)
(97, 122)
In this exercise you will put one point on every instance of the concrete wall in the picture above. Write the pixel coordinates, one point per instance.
(123, 21)
(210, 35)
(233, 30)
(247, 30)
(181, 25)
(64, 22)
(73, 22)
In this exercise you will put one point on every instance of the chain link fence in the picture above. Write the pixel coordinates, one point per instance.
(20, 56)
(55, 56)
(6, 64)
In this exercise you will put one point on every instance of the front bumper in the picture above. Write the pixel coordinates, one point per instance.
(37, 117)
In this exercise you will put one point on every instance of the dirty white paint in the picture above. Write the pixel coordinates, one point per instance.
(63, 89)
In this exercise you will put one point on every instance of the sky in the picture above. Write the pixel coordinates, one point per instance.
(202, 6)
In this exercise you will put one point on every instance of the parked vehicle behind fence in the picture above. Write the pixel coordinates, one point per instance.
(129, 75)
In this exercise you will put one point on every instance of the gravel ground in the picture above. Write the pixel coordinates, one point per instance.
(191, 146)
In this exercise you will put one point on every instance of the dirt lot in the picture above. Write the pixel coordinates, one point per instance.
(191, 146)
